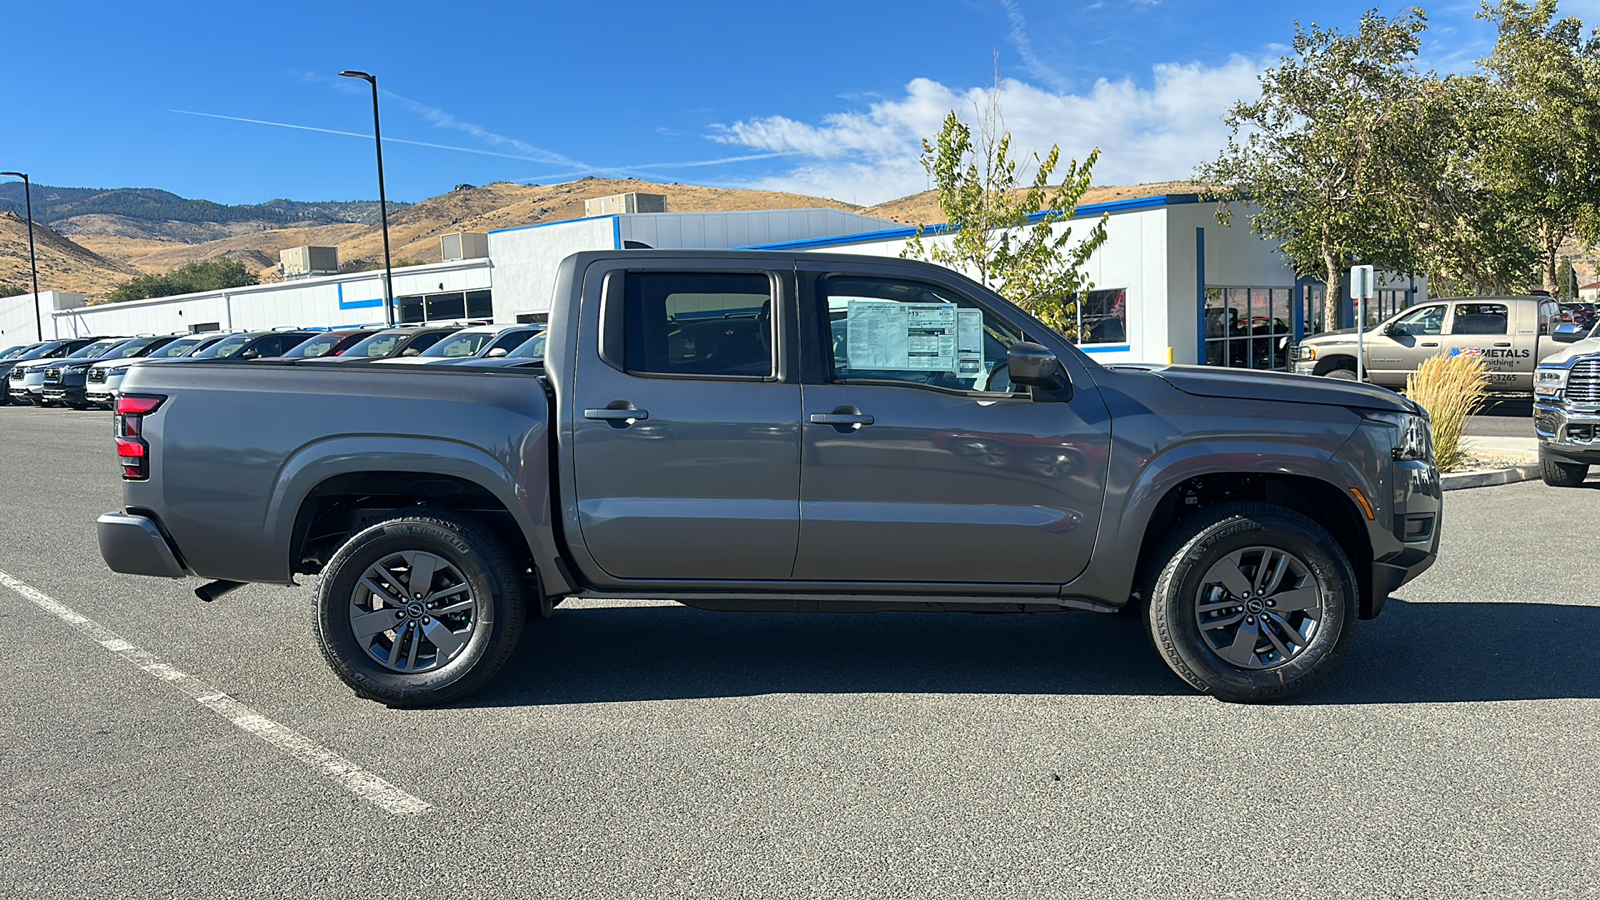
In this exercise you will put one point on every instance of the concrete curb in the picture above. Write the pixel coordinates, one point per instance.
(1456, 481)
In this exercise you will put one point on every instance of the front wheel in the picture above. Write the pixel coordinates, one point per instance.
(1340, 374)
(1556, 473)
(419, 609)
(1252, 603)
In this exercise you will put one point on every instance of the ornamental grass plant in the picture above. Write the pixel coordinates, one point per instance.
(1452, 389)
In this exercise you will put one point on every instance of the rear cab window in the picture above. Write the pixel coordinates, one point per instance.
(698, 324)
(1480, 318)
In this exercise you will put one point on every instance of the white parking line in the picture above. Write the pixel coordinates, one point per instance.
(354, 778)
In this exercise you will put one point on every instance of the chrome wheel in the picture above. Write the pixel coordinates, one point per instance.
(412, 611)
(1259, 607)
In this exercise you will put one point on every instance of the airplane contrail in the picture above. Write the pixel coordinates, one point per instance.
(523, 158)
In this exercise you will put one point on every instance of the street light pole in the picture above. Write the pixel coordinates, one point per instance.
(33, 258)
(383, 203)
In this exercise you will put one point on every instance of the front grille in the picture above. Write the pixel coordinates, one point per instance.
(1581, 432)
(16, 374)
(97, 376)
(1583, 384)
(52, 376)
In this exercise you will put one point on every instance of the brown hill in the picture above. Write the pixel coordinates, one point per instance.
(923, 208)
(63, 265)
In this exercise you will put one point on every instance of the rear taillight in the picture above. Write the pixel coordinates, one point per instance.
(132, 452)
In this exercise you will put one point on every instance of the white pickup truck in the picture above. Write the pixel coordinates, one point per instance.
(1510, 334)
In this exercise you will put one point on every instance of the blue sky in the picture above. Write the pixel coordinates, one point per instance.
(822, 97)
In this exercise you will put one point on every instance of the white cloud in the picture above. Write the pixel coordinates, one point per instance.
(1145, 133)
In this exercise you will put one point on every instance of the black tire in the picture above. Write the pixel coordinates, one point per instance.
(1203, 542)
(488, 570)
(1556, 473)
(1340, 374)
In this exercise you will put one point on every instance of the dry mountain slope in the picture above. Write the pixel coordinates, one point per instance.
(63, 265)
(414, 230)
(923, 208)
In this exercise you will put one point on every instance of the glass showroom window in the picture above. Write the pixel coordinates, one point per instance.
(1102, 317)
(1248, 327)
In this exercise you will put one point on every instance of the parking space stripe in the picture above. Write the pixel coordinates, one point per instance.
(352, 777)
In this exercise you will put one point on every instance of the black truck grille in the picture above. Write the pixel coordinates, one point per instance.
(97, 376)
(16, 374)
(52, 376)
(1583, 384)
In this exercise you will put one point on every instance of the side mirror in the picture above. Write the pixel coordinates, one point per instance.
(496, 353)
(1395, 329)
(411, 351)
(1568, 333)
(250, 354)
(1035, 366)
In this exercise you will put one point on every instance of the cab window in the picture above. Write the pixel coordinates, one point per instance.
(1480, 318)
(1425, 320)
(884, 329)
(700, 323)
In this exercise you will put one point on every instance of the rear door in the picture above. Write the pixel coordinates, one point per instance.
(922, 463)
(1483, 328)
(685, 428)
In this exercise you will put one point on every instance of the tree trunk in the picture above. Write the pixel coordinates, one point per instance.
(1552, 242)
(1330, 300)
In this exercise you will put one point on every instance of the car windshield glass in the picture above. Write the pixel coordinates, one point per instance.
(96, 349)
(315, 347)
(127, 348)
(41, 351)
(532, 348)
(459, 345)
(380, 344)
(177, 348)
(13, 351)
(223, 348)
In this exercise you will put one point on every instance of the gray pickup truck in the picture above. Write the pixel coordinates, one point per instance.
(768, 431)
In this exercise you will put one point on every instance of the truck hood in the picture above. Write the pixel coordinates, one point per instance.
(1337, 336)
(1208, 381)
(1569, 352)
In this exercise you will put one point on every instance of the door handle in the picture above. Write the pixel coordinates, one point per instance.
(843, 419)
(618, 412)
(1502, 343)
(1430, 343)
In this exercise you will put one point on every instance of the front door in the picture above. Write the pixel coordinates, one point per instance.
(921, 463)
(686, 442)
(1394, 353)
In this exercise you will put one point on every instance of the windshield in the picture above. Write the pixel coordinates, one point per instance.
(380, 344)
(460, 344)
(223, 348)
(321, 345)
(177, 348)
(43, 350)
(128, 348)
(13, 351)
(532, 348)
(94, 350)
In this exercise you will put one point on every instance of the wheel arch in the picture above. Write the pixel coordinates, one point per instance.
(359, 475)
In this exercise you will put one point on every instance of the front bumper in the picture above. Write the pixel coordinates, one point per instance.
(1567, 432)
(134, 545)
(1407, 544)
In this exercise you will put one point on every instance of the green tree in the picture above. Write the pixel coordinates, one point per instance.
(14, 288)
(1326, 156)
(1004, 232)
(1566, 281)
(205, 275)
(1543, 140)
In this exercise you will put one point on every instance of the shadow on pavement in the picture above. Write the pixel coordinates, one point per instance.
(1413, 653)
(1520, 407)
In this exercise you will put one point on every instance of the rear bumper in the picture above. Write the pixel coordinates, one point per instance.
(133, 545)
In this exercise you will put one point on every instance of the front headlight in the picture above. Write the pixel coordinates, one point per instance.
(1306, 354)
(1550, 381)
(1413, 435)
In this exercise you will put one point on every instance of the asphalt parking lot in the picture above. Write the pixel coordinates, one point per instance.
(657, 751)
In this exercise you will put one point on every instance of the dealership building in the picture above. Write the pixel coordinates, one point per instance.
(1171, 283)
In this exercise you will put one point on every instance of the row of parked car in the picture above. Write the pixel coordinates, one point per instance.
(86, 371)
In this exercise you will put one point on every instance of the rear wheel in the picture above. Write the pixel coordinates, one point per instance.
(1562, 474)
(420, 609)
(1252, 602)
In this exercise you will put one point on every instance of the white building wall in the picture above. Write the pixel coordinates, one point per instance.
(330, 302)
(525, 260)
(19, 324)
(728, 230)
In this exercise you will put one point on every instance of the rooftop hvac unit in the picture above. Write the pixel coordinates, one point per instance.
(625, 203)
(463, 245)
(304, 262)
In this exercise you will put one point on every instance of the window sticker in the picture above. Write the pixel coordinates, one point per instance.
(969, 343)
(918, 337)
